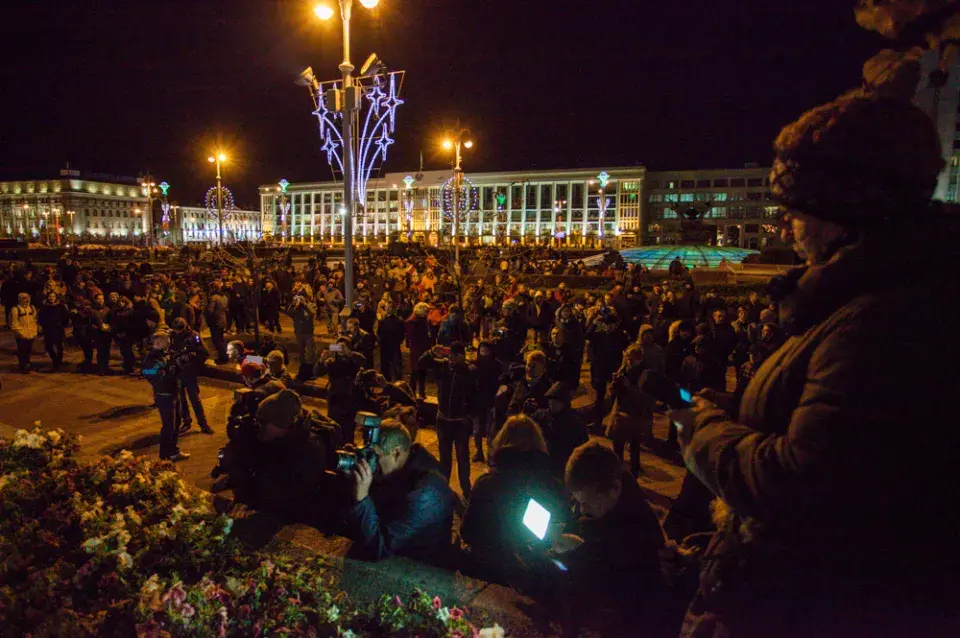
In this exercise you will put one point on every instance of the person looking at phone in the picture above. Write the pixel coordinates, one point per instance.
(837, 476)
(617, 532)
(456, 394)
(405, 507)
(340, 364)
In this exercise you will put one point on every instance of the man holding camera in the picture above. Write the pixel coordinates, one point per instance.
(191, 355)
(341, 364)
(294, 448)
(162, 375)
(456, 393)
(403, 505)
(303, 311)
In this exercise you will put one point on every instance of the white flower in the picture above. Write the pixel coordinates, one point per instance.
(54, 436)
(227, 526)
(125, 455)
(492, 632)
(347, 633)
(333, 613)
(443, 615)
(124, 560)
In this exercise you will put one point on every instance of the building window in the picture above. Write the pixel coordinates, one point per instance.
(671, 197)
(719, 197)
(654, 184)
(655, 197)
(754, 197)
(723, 182)
(686, 197)
(703, 183)
(738, 182)
(686, 183)
(755, 181)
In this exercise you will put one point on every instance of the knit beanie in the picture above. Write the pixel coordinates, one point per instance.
(280, 409)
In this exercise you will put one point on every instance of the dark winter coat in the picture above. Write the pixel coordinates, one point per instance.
(53, 318)
(606, 350)
(457, 386)
(419, 339)
(839, 471)
(409, 512)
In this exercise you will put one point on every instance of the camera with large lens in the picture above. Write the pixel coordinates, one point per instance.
(349, 455)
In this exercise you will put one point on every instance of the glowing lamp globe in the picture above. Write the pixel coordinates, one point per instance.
(323, 11)
(370, 4)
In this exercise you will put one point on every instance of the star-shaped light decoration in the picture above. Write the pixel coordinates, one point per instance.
(330, 146)
(604, 177)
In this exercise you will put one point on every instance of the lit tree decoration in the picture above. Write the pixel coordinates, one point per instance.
(468, 199)
(165, 205)
(501, 220)
(377, 118)
(229, 207)
(408, 181)
(604, 202)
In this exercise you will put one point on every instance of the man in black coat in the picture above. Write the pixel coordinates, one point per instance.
(391, 333)
(607, 343)
(191, 357)
(456, 397)
(404, 505)
(341, 366)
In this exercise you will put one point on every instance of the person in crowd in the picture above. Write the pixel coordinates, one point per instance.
(270, 302)
(419, 338)
(191, 358)
(828, 527)
(405, 506)
(492, 528)
(361, 341)
(103, 333)
(454, 328)
(332, 304)
(304, 312)
(121, 319)
(289, 475)
(276, 367)
(631, 418)
(163, 379)
(605, 337)
(53, 317)
(390, 334)
(456, 396)
(617, 533)
(216, 316)
(563, 358)
(529, 393)
(563, 429)
(23, 322)
(341, 365)
(488, 381)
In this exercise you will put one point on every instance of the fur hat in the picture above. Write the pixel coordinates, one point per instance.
(280, 409)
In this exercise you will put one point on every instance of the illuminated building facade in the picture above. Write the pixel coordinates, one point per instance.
(563, 207)
(735, 205)
(43, 209)
(195, 223)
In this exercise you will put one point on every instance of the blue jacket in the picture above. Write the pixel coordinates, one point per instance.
(409, 513)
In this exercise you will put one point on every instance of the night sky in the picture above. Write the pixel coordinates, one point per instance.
(120, 86)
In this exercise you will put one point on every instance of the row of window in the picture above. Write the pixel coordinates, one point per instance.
(720, 182)
(736, 196)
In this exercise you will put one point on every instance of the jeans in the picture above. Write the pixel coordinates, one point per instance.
(455, 434)
(24, 349)
(53, 344)
(391, 365)
(190, 389)
(216, 336)
(170, 422)
(86, 345)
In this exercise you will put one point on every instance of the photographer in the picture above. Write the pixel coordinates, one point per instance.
(456, 393)
(158, 370)
(341, 366)
(303, 312)
(255, 377)
(295, 447)
(529, 394)
(404, 507)
(606, 339)
(191, 355)
(361, 341)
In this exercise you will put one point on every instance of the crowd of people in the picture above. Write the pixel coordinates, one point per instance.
(818, 498)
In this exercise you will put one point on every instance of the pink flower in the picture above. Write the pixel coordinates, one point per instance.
(456, 613)
(188, 611)
(456, 634)
(175, 596)
(397, 600)
(436, 602)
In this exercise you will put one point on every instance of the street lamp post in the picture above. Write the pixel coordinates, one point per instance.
(462, 138)
(70, 214)
(351, 102)
(218, 159)
(149, 189)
